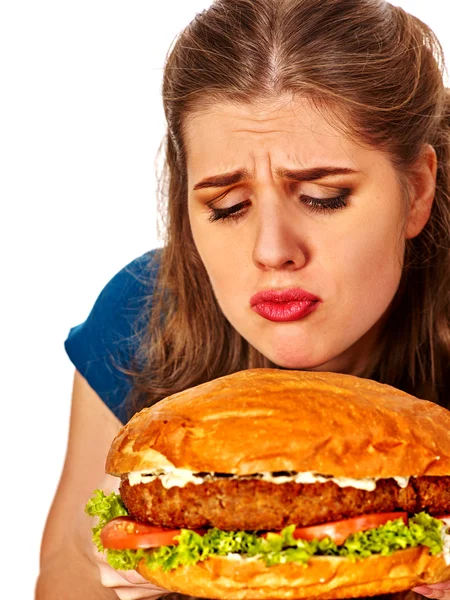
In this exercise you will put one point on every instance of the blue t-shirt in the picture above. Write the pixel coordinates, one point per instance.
(108, 339)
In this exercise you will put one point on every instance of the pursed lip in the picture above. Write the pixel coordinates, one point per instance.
(282, 306)
(283, 296)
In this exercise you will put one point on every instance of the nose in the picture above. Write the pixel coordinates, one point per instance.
(279, 243)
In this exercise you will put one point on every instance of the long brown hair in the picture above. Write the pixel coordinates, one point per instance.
(368, 60)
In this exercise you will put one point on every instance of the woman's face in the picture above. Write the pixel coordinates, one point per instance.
(281, 202)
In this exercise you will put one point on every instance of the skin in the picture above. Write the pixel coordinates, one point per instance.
(350, 257)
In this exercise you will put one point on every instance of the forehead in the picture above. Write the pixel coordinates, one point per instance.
(292, 131)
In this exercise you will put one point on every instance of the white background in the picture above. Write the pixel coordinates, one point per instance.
(80, 123)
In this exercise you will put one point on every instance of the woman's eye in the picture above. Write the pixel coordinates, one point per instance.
(326, 204)
(316, 205)
(233, 213)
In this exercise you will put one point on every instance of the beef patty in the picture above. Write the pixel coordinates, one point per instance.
(253, 504)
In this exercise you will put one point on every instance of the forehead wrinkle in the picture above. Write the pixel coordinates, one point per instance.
(261, 131)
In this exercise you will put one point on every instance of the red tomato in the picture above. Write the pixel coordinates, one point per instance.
(124, 533)
(339, 531)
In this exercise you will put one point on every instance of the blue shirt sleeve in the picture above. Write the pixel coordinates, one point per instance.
(108, 339)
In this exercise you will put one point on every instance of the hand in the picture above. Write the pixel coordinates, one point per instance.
(128, 585)
(435, 590)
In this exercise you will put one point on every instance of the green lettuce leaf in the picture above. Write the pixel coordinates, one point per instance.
(107, 508)
(422, 530)
(273, 549)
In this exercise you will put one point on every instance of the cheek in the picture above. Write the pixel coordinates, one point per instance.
(370, 266)
(229, 274)
(224, 253)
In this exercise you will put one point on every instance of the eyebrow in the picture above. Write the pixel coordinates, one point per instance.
(225, 179)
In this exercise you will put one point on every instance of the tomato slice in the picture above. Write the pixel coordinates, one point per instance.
(339, 531)
(124, 533)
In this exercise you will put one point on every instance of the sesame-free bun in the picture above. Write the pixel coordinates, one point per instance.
(325, 578)
(263, 420)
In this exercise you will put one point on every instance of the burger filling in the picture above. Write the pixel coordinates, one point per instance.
(290, 519)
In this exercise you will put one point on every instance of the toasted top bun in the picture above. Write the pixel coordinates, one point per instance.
(263, 420)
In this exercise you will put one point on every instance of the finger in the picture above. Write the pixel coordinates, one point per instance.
(133, 577)
(128, 593)
(443, 585)
(429, 592)
(111, 578)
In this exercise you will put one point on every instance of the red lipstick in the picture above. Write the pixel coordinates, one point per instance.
(284, 305)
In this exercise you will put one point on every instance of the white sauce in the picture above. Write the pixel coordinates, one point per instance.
(169, 477)
(172, 477)
(445, 534)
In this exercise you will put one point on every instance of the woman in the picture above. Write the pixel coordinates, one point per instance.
(307, 160)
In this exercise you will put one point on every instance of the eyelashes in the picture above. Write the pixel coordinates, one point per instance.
(314, 205)
(234, 212)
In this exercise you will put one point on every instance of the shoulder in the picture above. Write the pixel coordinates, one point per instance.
(128, 291)
(104, 344)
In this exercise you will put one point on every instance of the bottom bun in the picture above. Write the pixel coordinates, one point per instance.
(325, 577)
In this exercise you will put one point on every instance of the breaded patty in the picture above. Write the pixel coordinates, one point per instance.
(253, 504)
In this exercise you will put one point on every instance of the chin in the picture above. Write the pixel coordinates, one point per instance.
(297, 365)
(306, 350)
(296, 361)
(302, 356)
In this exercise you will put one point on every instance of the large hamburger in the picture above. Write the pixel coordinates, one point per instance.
(281, 484)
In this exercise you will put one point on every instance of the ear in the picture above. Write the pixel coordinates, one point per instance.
(423, 187)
